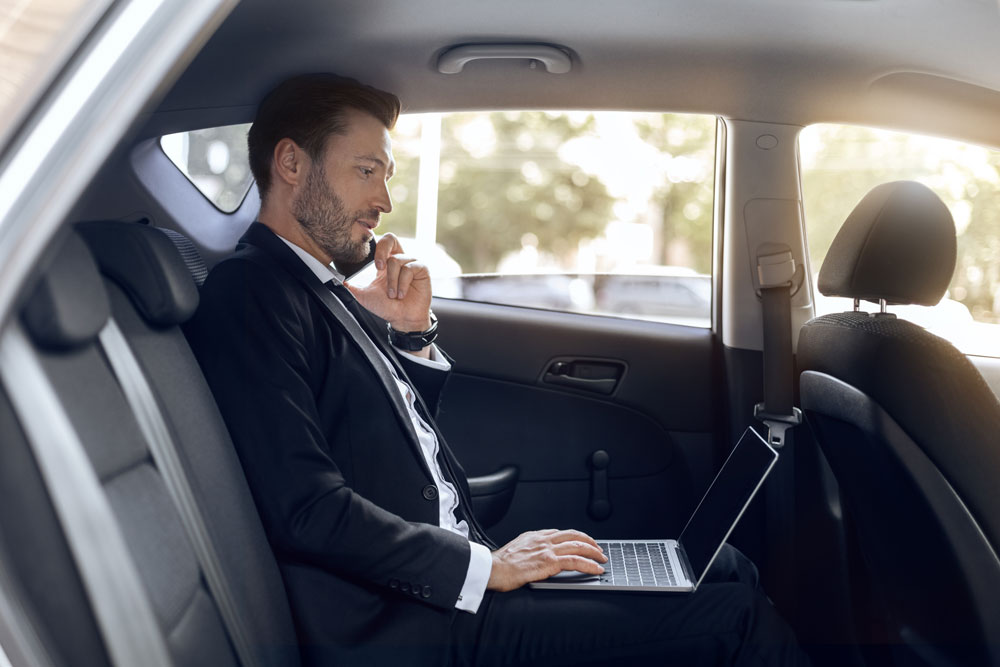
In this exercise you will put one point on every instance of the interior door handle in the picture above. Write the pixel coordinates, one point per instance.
(599, 376)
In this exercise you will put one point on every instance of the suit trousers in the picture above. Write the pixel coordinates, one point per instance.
(727, 621)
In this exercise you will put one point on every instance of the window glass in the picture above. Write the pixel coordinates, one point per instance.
(35, 37)
(594, 212)
(840, 164)
(215, 160)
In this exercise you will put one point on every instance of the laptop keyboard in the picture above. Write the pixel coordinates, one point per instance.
(637, 564)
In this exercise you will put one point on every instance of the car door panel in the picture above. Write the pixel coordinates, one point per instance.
(989, 367)
(500, 409)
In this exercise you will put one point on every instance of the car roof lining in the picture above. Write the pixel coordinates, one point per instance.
(779, 61)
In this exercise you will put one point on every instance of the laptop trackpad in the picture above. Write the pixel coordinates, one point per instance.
(572, 575)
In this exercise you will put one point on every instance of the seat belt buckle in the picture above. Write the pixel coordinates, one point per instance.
(777, 424)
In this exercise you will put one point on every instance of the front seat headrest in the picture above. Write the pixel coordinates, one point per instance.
(68, 305)
(147, 265)
(898, 244)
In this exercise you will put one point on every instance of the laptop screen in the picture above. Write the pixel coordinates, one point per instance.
(729, 494)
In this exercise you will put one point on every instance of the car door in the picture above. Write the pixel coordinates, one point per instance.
(581, 394)
(604, 424)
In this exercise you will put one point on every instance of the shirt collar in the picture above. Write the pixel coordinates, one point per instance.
(322, 271)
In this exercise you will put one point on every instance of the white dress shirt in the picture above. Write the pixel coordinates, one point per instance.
(481, 561)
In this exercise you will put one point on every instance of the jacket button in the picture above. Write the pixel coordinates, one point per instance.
(426, 592)
(394, 583)
(405, 587)
(430, 492)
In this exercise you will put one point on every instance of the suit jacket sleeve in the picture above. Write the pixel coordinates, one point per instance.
(255, 335)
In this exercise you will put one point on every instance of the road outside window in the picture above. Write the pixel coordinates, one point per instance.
(594, 212)
(841, 163)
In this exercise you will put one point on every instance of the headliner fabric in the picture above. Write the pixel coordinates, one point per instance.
(930, 388)
(898, 244)
(146, 264)
(68, 305)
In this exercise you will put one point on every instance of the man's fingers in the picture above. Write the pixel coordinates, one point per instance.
(386, 246)
(580, 564)
(568, 535)
(577, 548)
(407, 274)
(393, 265)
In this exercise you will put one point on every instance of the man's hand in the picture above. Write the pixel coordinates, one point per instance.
(401, 291)
(542, 553)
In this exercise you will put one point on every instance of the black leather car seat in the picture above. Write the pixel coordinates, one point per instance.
(910, 429)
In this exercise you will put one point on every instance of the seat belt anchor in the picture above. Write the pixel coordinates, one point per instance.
(779, 270)
(777, 424)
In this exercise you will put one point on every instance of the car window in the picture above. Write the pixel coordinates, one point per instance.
(35, 36)
(841, 163)
(595, 212)
(215, 160)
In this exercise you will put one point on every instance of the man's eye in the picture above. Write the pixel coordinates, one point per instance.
(367, 171)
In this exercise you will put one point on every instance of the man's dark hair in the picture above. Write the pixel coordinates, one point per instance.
(309, 109)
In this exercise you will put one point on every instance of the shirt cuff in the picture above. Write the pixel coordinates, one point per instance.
(437, 360)
(480, 567)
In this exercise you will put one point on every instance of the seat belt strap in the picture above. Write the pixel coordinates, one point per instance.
(124, 614)
(161, 445)
(776, 274)
(779, 279)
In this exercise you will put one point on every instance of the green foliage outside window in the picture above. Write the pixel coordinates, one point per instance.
(840, 163)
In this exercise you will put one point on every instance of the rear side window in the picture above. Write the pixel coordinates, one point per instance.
(841, 163)
(594, 212)
(215, 160)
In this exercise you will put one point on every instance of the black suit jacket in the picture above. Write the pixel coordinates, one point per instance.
(334, 466)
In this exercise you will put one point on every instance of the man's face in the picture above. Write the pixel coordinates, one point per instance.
(346, 189)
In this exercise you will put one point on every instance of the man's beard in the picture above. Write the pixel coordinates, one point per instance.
(321, 213)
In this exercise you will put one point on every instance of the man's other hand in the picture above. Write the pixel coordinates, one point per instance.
(542, 553)
(401, 291)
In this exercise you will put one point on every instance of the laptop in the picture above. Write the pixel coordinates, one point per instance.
(680, 565)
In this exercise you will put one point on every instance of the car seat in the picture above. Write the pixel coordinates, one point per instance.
(909, 427)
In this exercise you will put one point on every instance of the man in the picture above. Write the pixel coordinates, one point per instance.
(366, 508)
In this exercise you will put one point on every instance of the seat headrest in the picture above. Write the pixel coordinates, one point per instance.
(68, 305)
(898, 244)
(147, 266)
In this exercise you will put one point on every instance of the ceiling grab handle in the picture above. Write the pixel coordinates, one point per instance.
(556, 61)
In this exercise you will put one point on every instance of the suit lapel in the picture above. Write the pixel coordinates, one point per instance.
(260, 236)
(364, 333)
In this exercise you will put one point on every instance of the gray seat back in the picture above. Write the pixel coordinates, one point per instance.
(146, 288)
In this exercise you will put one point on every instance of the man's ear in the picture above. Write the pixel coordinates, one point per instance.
(290, 162)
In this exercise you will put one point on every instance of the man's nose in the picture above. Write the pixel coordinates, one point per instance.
(383, 200)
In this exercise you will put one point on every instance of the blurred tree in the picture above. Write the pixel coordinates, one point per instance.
(511, 181)
(403, 185)
(687, 191)
(488, 207)
(841, 163)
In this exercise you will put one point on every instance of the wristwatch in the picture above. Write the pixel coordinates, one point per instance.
(414, 341)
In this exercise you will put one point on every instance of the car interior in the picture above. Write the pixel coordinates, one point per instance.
(128, 533)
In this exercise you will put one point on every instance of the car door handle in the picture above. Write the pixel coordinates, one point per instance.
(599, 376)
